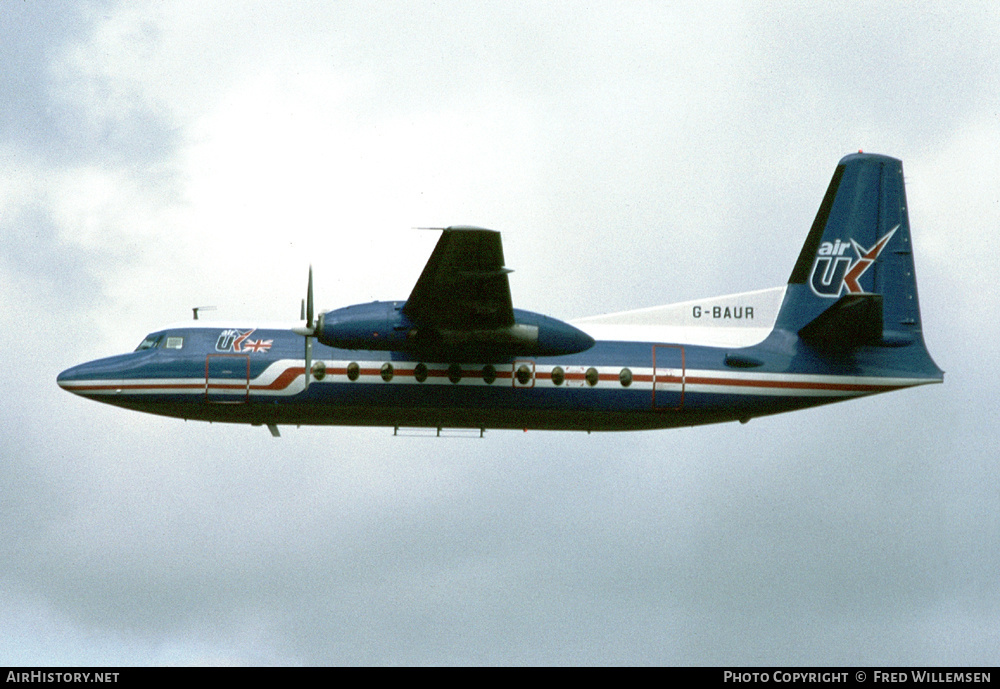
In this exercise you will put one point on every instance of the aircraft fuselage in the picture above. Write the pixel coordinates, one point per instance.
(256, 375)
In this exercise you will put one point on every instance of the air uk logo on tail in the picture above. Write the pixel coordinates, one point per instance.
(833, 273)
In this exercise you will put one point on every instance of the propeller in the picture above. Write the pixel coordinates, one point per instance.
(309, 331)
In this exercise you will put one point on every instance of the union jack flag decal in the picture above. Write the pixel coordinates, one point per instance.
(257, 345)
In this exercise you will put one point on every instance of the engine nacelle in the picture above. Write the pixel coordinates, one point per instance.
(378, 326)
(381, 326)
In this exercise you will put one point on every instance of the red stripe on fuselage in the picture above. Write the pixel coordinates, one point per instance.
(790, 385)
(290, 374)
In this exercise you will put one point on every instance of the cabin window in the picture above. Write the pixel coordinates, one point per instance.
(592, 376)
(174, 343)
(319, 370)
(625, 377)
(387, 372)
(149, 343)
(489, 374)
(523, 374)
(353, 370)
(455, 373)
(558, 375)
(420, 372)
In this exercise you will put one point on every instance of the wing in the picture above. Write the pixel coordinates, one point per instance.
(464, 285)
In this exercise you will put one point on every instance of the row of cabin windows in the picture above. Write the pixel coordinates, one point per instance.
(523, 374)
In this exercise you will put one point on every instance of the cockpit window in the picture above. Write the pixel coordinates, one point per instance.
(150, 342)
(175, 342)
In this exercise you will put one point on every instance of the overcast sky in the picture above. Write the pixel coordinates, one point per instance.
(159, 156)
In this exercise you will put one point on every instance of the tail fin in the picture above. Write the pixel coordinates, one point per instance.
(854, 284)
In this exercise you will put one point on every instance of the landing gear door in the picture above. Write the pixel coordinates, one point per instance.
(227, 378)
(668, 377)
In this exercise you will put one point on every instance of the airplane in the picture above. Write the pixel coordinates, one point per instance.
(457, 355)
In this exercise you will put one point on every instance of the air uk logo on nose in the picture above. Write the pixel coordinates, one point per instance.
(833, 273)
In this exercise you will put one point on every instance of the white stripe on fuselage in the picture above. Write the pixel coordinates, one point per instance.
(732, 320)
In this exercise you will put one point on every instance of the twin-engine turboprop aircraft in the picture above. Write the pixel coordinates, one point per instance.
(456, 354)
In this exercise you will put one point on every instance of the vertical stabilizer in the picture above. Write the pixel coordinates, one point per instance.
(854, 284)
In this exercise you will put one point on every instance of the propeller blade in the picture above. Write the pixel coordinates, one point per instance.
(309, 300)
(309, 360)
(306, 314)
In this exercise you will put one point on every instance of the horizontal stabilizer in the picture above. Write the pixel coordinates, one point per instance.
(851, 321)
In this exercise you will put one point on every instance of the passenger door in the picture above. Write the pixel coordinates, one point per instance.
(668, 377)
(227, 378)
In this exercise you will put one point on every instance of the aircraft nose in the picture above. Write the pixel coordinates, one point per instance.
(94, 376)
(71, 377)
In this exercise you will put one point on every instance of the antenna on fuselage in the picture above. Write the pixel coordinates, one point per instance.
(196, 309)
